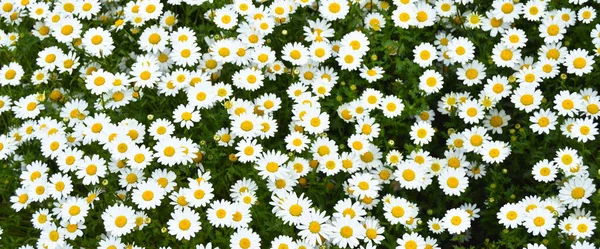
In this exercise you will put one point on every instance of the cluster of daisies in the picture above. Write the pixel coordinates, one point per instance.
(79, 145)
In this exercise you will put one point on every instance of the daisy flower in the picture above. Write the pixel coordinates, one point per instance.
(544, 171)
(41, 219)
(161, 128)
(495, 151)
(505, 56)
(98, 42)
(186, 116)
(250, 79)
(584, 130)
(405, 16)
(225, 18)
(139, 157)
(453, 181)
(356, 41)
(507, 10)
(411, 175)
(576, 191)
(118, 219)
(497, 87)
(445, 8)
(542, 121)
(534, 10)
(431, 81)
(63, 185)
(74, 210)
(184, 223)
(346, 231)
(421, 132)
(348, 59)
(185, 54)
(11, 74)
(67, 29)
(313, 226)
(410, 240)
(514, 38)
(334, 9)
(424, 54)
(456, 221)
(362, 185)
(425, 15)
(495, 120)
(154, 39)
(245, 238)
(461, 50)
(583, 227)
(315, 122)
(539, 221)
(51, 237)
(374, 21)
(578, 62)
(91, 169)
(295, 53)
(248, 150)
(552, 30)
(167, 152)
(147, 195)
(399, 210)
(471, 111)
(526, 98)
(435, 225)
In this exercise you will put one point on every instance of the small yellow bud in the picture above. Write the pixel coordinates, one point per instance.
(41, 97)
(232, 157)
(512, 79)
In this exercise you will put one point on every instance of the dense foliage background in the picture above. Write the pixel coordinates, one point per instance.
(391, 49)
